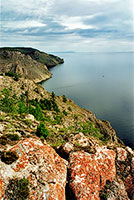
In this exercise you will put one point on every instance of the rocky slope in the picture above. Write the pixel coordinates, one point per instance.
(27, 62)
(54, 150)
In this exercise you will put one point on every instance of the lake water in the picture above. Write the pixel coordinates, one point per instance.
(102, 83)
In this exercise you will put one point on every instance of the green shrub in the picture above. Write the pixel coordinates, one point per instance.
(64, 98)
(57, 119)
(42, 130)
(12, 74)
(65, 113)
(22, 107)
(55, 106)
(33, 102)
(53, 95)
(37, 112)
(16, 77)
(70, 109)
(8, 102)
(75, 117)
(47, 104)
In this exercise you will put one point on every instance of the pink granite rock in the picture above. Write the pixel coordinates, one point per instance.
(121, 154)
(88, 173)
(41, 165)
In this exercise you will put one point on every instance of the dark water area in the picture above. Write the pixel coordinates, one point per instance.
(102, 83)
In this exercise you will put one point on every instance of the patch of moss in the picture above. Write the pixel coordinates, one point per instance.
(9, 157)
(19, 188)
(23, 189)
(13, 137)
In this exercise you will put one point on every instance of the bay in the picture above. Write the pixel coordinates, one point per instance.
(102, 83)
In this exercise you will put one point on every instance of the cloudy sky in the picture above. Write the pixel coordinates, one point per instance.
(68, 25)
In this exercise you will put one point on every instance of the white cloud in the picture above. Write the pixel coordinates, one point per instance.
(28, 7)
(75, 22)
(44, 23)
(22, 24)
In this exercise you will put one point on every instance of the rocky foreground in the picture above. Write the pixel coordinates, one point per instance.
(52, 149)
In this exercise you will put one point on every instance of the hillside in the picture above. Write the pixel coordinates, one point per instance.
(50, 148)
(27, 62)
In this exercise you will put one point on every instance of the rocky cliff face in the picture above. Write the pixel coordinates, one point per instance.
(54, 150)
(27, 63)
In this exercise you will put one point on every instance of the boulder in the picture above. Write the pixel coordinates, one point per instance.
(29, 117)
(121, 154)
(89, 173)
(39, 164)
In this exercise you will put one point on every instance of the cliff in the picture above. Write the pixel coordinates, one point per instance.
(54, 150)
(27, 62)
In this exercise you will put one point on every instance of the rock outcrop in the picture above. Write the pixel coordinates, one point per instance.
(40, 165)
(89, 172)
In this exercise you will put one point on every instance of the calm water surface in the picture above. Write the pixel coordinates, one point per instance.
(101, 83)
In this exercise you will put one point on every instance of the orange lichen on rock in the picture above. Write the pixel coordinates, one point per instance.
(1, 188)
(42, 166)
(89, 173)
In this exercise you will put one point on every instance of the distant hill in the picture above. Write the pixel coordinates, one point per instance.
(27, 62)
(42, 57)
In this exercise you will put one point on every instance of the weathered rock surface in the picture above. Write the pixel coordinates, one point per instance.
(89, 173)
(117, 190)
(122, 154)
(23, 65)
(41, 165)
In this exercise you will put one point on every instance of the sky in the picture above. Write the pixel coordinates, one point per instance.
(68, 25)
